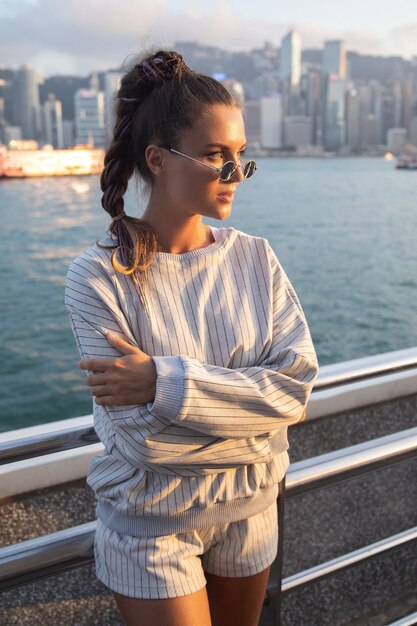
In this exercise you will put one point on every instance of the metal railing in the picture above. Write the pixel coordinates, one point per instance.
(338, 375)
(61, 551)
(45, 556)
(406, 621)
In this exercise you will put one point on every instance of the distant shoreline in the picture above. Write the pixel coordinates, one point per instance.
(321, 155)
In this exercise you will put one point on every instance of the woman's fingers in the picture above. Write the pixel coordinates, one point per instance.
(100, 390)
(107, 400)
(95, 365)
(93, 380)
(121, 344)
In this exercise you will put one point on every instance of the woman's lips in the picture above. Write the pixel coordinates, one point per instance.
(226, 197)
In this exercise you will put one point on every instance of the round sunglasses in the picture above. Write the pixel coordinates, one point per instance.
(227, 170)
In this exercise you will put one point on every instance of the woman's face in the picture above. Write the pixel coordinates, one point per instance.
(218, 136)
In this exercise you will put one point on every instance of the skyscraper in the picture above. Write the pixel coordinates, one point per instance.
(89, 117)
(313, 102)
(334, 58)
(335, 113)
(353, 136)
(28, 105)
(252, 117)
(271, 121)
(290, 59)
(52, 122)
(111, 87)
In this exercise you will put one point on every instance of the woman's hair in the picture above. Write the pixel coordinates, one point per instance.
(159, 98)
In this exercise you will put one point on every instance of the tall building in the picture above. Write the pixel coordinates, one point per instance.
(366, 108)
(396, 139)
(27, 100)
(297, 131)
(89, 117)
(290, 59)
(413, 131)
(271, 121)
(371, 134)
(68, 133)
(353, 135)
(6, 95)
(397, 93)
(11, 133)
(111, 87)
(252, 117)
(313, 108)
(263, 85)
(334, 58)
(52, 122)
(334, 136)
(407, 101)
(385, 113)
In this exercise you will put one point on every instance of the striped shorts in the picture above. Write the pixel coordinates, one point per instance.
(170, 566)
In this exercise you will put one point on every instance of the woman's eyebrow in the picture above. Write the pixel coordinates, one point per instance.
(221, 145)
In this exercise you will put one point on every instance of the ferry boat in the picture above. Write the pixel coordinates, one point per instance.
(408, 162)
(25, 159)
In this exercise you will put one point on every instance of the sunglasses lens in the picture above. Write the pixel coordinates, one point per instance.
(227, 170)
(249, 169)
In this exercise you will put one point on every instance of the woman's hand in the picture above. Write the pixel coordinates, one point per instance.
(130, 379)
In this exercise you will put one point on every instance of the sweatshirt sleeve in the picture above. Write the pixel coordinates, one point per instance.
(92, 303)
(249, 401)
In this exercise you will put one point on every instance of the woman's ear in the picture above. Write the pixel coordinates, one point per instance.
(154, 156)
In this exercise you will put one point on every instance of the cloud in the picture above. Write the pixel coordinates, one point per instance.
(82, 35)
(404, 38)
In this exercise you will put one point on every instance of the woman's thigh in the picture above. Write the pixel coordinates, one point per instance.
(188, 610)
(236, 600)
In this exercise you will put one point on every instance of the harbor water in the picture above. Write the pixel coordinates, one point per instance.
(344, 230)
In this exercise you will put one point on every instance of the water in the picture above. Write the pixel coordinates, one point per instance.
(343, 229)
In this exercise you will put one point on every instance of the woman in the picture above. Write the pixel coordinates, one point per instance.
(209, 361)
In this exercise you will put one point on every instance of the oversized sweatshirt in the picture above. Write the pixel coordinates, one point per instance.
(235, 367)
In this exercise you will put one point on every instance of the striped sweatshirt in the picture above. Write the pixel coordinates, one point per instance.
(235, 367)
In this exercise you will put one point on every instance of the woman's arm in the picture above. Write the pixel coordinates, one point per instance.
(215, 401)
(129, 379)
(249, 401)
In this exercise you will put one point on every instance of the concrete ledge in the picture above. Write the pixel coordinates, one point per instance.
(44, 471)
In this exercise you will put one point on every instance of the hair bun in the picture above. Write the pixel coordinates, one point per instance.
(163, 65)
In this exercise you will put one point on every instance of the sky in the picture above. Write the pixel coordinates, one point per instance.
(79, 36)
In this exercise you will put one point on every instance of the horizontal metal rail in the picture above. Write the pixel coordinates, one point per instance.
(355, 370)
(47, 443)
(318, 572)
(41, 442)
(41, 557)
(345, 463)
(37, 558)
(410, 620)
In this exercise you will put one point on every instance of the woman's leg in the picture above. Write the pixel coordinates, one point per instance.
(188, 610)
(236, 600)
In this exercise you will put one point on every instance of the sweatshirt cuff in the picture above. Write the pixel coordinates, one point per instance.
(169, 391)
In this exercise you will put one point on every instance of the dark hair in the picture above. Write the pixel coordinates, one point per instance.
(158, 99)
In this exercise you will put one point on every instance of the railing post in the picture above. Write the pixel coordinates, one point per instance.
(280, 505)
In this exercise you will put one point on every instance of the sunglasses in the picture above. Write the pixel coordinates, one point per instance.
(227, 170)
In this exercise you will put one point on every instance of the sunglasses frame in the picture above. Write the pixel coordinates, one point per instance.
(217, 169)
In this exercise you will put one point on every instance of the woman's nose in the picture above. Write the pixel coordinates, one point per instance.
(237, 175)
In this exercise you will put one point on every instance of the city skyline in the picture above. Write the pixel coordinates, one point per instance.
(46, 31)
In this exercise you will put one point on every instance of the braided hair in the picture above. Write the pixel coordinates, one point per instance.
(158, 99)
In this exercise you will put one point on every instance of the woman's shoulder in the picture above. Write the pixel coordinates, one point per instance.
(222, 231)
(258, 244)
(95, 258)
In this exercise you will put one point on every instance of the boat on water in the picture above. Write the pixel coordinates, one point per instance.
(408, 162)
(26, 159)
